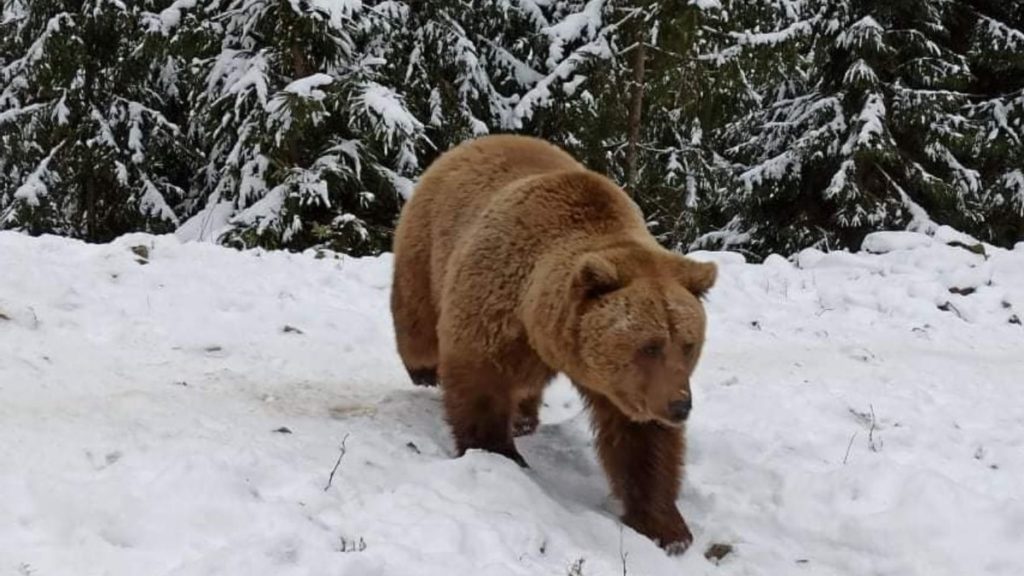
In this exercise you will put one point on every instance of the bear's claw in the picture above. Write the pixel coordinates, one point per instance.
(670, 533)
(524, 426)
(677, 548)
(424, 377)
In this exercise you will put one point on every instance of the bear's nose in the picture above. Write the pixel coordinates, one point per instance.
(679, 410)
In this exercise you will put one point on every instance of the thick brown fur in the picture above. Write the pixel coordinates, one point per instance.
(512, 263)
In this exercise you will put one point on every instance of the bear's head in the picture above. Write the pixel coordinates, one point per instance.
(639, 328)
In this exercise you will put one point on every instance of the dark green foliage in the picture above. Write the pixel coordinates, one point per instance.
(90, 147)
(891, 124)
(758, 126)
(298, 152)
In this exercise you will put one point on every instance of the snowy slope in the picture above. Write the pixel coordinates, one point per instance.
(843, 424)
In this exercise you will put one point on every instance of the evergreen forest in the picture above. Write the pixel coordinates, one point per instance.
(758, 126)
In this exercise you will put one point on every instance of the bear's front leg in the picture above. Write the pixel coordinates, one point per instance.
(643, 461)
(479, 407)
(527, 416)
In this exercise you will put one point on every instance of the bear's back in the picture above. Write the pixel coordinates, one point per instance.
(459, 186)
(505, 195)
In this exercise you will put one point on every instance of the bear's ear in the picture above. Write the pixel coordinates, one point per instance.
(595, 276)
(697, 277)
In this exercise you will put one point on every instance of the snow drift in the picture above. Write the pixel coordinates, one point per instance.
(187, 409)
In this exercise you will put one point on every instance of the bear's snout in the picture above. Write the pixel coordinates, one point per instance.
(679, 410)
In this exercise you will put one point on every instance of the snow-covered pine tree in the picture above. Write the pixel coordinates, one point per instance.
(564, 70)
(314, 113)
(10, 13)
(750, 52)
(305, 146)
(473, 68)
(673, 172)
(86, 148)
(632, 106)
(991, 33)
(310, 117)
(874, 132)
(461, 65)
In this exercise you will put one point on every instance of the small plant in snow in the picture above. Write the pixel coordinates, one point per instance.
(348, 545)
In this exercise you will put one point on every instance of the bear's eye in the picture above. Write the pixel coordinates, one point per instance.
(651, 350)
(689, 349)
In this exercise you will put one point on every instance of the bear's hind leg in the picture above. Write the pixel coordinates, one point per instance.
(415, 323)
(423, 376)
(643, 461)
(479, 407)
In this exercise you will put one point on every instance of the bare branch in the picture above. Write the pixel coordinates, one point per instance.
(848, 446)
(341, 455)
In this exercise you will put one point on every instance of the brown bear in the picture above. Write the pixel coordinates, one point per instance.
(513, 263)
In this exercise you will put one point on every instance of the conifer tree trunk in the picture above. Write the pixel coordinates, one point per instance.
(299, 63)
(86, 174)
(636, 103)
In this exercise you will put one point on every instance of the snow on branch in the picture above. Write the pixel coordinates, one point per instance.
(583, 25)
(967, 179)
(387, 112)
(169, 18)
(522, 72)
(332, 158)
(37, 50)
(866, 32)
(14, 114)
(1014, 182)
(817, 121)
(139, 109)
(105, 136)
(706, 4)
(794, 30)
(997, 113)
(920, 221)
(12, 12)
(308, 87)
(282, 106)
(541, 92)
(1002, 36)
(337, 11)
(534, 9)
(772, 169)
(860, 73)
(872, 126)
(35, 185)
(152, 202)
(237, 72)
(265, 211)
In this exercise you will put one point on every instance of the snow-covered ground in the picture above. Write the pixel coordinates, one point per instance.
(182, 413)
